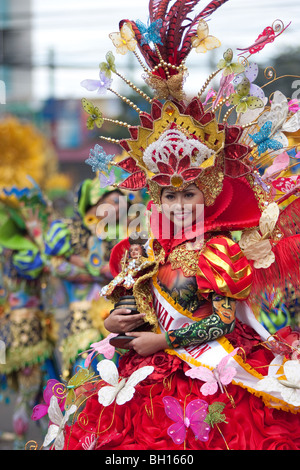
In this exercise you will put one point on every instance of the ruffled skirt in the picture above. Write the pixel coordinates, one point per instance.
(245, 422)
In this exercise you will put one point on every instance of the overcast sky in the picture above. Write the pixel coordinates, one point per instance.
(77, 33)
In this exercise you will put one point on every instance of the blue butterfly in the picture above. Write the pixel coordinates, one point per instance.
(150, 33)
(262, 138)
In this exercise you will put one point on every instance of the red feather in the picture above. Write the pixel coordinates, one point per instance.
(186, 43)
(158, 9)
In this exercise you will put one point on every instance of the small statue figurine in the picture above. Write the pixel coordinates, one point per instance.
(132, 281)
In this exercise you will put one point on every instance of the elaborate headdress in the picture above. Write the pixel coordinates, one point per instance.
(237, 165)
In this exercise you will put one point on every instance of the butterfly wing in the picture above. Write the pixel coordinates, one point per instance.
(206, 375)
(127, 392)
(51, 434)
(174, 411)
(254, 102)
(108, 372)
(201, 373)
(116, 39)
(251, 72)
(291, 392)
(177, 432)
(107, 395)
(211, 42)
(54, 411)
(196, 412)
(225, 372)
(91, 85)
(202, 30)
(88, 106)
(107, 181)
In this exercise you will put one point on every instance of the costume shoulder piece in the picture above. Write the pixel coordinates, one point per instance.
(223, 268)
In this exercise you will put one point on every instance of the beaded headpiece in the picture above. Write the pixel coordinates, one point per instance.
(179, 141)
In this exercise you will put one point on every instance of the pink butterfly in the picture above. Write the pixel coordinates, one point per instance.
(102, 347)
(193, 418)
(279, 164)
(42, 409)
(226, 87)
(221, 375)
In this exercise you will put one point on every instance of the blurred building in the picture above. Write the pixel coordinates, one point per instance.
(16, 50)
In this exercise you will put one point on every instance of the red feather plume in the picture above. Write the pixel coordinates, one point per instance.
(176, 32)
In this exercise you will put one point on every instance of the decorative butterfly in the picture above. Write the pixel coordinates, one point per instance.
(242, 98)
(124, 41)
(107, 180)
(99, 159)
(250, 72)
(228, 66)
(226, 87)
(58, 420)
(150, 33)
(204, 42)
(262, 138)
(109, 66)
(95, 114)
(122, 391)
(102, 347)
(218, 377)
(81, 377)
(279, 164)
(281, 120)
(192, 417)
(101, 85)
(289, 388)
(268, 35)
(42, 409)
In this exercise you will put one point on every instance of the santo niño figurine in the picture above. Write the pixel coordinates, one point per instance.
(127, 287)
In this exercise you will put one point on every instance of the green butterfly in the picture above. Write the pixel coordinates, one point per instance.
(242, 100)
(228, 66)
(109, 66)
(81, 377)
(95, 114)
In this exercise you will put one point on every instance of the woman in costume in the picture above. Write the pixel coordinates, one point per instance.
(79, 256)
(27, 326)
(208, 375)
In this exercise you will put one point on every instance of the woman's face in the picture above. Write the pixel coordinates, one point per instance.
(183, 207)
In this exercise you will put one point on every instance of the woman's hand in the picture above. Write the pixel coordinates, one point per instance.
(122, 320)
(146, 343)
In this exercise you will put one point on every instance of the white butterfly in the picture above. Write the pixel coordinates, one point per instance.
(56, 430)
(123, 390)
(278, 114)
(289, 388)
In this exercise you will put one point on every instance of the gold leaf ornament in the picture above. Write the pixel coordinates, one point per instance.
(256, 244)
(164, 88)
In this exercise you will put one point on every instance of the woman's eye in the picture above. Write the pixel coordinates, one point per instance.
(169, 196)
(189, 195)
